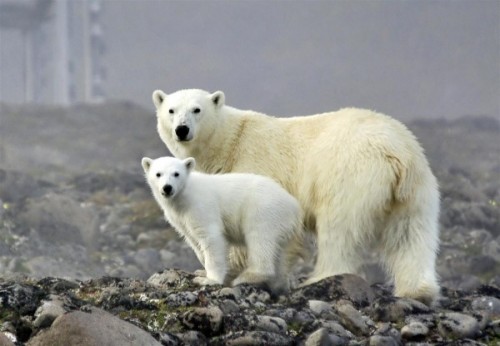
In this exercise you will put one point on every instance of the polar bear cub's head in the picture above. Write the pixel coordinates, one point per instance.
(167, 175)
(181, 113)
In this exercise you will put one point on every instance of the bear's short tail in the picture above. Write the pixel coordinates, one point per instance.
(406, 178)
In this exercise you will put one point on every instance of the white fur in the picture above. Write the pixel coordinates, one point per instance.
(361, 177)
(214, 212)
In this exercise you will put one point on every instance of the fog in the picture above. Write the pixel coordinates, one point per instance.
(405, 58)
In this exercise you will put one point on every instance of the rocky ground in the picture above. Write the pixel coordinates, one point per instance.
(74, 206)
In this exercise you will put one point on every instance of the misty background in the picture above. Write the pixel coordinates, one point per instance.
(404, 58)
(76, 115)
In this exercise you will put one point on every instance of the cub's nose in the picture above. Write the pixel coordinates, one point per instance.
(182, 131)
(167, 189)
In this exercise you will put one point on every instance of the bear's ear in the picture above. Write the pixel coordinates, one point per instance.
(146, 163)
(190, 163)
(158, 98)
(218, 98)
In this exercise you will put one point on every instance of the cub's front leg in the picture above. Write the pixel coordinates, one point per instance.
(213, 246)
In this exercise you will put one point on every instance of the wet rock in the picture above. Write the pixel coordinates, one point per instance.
(96, 327)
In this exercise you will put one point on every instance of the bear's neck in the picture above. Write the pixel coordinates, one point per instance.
(220, 148)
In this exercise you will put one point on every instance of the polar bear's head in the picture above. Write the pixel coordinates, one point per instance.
(167, 176)
(182, 114)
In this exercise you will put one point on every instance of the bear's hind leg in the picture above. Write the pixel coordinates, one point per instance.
(409, 251)
(338, 242)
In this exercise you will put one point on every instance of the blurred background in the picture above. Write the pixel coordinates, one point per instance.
(405, 58)
(76, 115)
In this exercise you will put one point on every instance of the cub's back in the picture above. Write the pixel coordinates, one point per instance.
(235, 191)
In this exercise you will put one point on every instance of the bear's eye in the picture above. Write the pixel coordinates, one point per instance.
(196, 110)
(176, 174)
(158, 174)
(171, 111)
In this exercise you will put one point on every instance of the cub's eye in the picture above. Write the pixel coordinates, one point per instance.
(171, 111)
(158, 175)
(176, 174)
(196, 110)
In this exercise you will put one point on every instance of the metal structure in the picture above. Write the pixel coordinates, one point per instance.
(63, 48)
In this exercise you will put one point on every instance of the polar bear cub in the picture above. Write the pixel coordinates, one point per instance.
(214, 212)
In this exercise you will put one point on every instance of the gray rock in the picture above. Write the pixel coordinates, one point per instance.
(95, 328)
(380, 340)
(168, 339)
(454, 325)
(193, 338)
(386, 329)
(229, 293)
(485, 303)
(48, 312)
(271, 324)
(428, 320)
(256, 338)
(319, 307)
(347, 286)
(322, 337)
(352, 319)
(392, 309)
(337, 329)
(7, 339)
(206, 320)
(229, 306)
(182, 299)
(171, 278)
(414, 330)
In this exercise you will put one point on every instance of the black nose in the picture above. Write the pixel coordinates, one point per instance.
(167, 189)
(182, 131)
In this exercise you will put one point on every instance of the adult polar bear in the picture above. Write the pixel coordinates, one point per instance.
(361, 177)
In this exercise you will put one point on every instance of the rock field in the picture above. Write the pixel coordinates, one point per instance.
(85, 252)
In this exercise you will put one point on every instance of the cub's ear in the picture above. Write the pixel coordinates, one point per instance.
(190, 163)
(158, 98)
(146, 163)
(218, 98)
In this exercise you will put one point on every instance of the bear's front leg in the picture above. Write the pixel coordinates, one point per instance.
(213, 245)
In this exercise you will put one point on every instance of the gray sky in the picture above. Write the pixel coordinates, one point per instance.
(404, 58)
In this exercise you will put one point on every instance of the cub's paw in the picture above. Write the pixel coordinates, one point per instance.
(204, 281)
